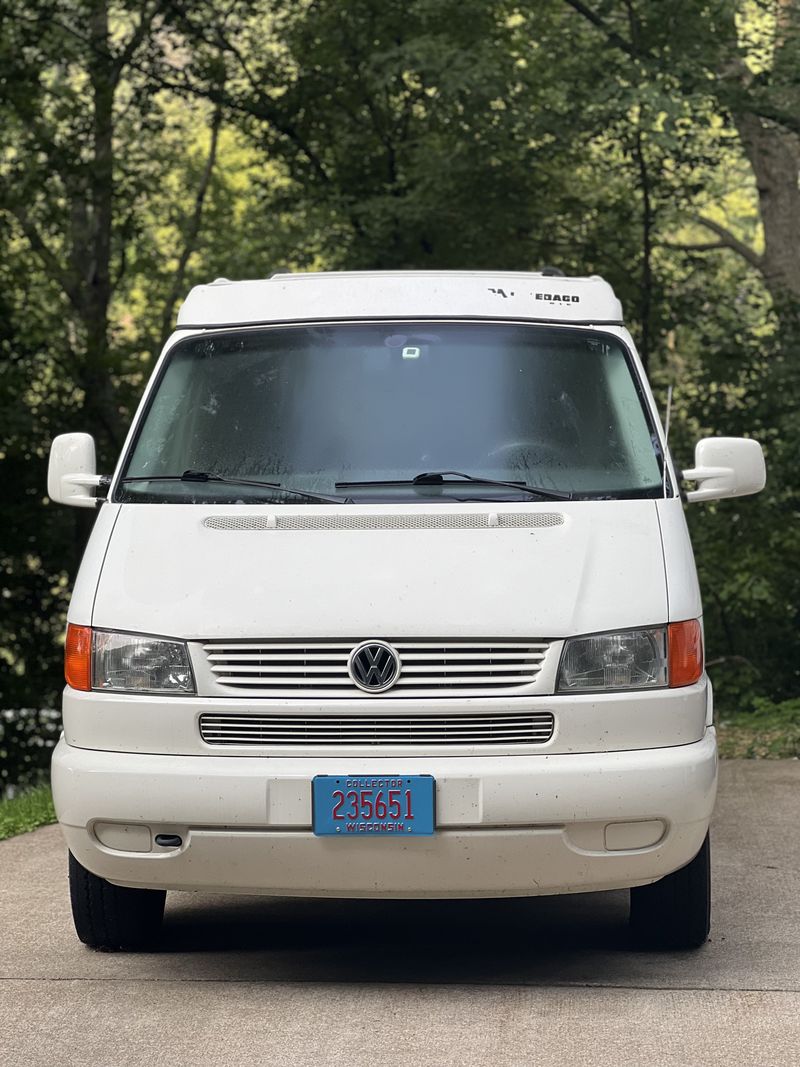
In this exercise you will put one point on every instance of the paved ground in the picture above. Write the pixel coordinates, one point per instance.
(540, 982)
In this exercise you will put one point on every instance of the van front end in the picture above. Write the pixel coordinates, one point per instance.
(391, 595)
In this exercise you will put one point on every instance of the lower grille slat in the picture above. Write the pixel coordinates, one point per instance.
(523, 728)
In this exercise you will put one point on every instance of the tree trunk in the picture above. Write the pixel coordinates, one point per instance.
(774, 155)
(93, 240)
(772, 149)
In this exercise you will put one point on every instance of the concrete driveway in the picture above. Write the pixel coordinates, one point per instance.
(245, 981)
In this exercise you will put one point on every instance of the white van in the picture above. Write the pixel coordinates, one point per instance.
(391, 595)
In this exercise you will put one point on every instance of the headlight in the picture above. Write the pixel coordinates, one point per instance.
(133, 663)
(630, 659)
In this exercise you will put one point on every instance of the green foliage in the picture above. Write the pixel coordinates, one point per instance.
(734, 372)
(770, 731)
(26, 812)
(400, 132)
(27, 739)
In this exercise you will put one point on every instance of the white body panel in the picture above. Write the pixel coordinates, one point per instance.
(590, 722)
(621, 793)
(405, 294)
(683, 590)
(85, 589)
(507, 826)
(600, 568)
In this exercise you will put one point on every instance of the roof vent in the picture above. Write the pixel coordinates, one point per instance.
(552, 272)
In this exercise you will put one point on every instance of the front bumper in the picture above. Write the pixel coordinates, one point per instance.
(506, 825)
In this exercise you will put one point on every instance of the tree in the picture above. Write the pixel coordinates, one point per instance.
(88, 138)
(750, 69)
(406, 135)
(83, 122)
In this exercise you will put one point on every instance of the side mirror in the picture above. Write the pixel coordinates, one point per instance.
(71, 474)
(726, 467)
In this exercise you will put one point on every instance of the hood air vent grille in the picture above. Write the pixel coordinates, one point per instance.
(426, 521)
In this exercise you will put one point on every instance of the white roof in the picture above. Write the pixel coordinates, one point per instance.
(401, 294)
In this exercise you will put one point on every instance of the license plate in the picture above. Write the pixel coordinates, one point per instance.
(389, 805)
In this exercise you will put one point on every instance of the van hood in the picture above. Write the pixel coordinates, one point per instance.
(506, 571)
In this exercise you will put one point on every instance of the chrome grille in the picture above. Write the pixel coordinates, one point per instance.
(320, 668)
(513, 728)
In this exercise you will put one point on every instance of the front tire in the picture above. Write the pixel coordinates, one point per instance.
(108, 916)
(675, 912)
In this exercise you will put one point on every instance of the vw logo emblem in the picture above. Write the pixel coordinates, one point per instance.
(374, 666)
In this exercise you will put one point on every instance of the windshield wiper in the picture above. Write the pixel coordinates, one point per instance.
(204, 476)
(440, 478)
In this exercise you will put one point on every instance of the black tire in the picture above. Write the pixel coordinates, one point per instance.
(675, 912)
(109, 916)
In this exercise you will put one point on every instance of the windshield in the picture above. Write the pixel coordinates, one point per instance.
(307, 407)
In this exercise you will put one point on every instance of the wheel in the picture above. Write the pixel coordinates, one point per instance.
(109, 916)
(675, 912)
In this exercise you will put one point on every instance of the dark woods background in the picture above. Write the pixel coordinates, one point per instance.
(147, 146)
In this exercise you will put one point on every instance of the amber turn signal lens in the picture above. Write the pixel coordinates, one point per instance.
(78, 657)
(685, 641)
